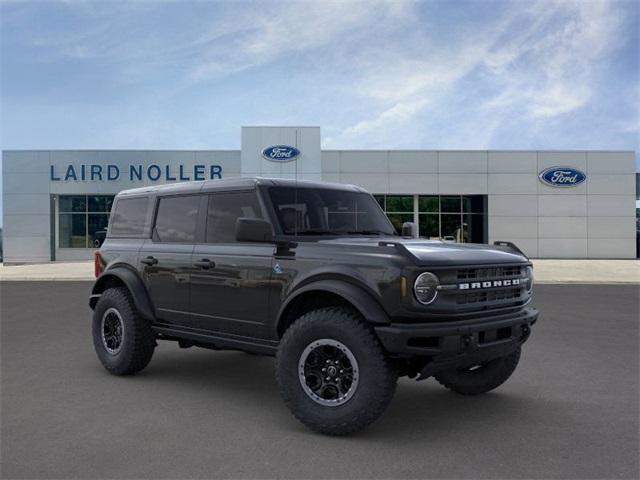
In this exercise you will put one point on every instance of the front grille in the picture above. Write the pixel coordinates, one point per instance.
(492, 272)
(490, 296)
(483, 288)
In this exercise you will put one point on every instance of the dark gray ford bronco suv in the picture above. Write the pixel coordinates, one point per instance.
(315, 274)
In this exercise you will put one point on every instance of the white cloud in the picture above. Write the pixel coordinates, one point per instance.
(261, 37)
(397, 114)
(391, 73)
(543, 57)
(233, 37)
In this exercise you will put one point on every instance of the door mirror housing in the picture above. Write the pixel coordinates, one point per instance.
(409, 229)
(254, 230)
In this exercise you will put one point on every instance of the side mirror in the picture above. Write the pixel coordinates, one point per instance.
(409, 229)
(253, 230)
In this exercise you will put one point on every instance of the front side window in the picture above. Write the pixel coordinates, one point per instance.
(176, 219)
(319, 211)
(224, 209)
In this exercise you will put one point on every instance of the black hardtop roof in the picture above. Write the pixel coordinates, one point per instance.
(235, 183)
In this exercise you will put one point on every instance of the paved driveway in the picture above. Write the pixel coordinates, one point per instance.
(571, 409)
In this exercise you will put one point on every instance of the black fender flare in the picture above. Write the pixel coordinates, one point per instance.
(132, 281)
(363, 301)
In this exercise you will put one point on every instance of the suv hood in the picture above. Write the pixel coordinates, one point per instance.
(438, 253)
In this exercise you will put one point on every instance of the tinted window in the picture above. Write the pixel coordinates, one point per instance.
(176, 219)
(129, 217)
(225, 209)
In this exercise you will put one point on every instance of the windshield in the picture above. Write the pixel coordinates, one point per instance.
(323, 211)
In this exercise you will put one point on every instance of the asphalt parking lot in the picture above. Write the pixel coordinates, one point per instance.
(570, 411)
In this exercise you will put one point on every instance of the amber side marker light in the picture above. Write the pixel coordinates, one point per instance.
(403, 286)
(97, 264)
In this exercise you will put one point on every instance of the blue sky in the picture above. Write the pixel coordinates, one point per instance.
(402, 74)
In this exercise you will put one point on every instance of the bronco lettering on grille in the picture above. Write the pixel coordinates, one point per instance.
(489, 284)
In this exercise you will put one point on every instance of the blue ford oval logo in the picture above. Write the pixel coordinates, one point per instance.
(280, 153)
(562, 177)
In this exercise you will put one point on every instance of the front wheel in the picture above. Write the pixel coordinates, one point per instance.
(480, 378)
(333, 373)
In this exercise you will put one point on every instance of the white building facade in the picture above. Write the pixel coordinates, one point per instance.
(552, 204)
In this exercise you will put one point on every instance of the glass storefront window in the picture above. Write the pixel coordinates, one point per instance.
(429, 225)
(428, 204)
(97, 228)
(83, 220)
(451, 227)
(474, 204)
(73, 203)
(100, 203)
(453, 218)
(399, 204)
(73, 230)
(397, 219)
(451, 204)
(475, 226)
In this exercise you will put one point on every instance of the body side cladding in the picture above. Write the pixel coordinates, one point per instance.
(132, 281)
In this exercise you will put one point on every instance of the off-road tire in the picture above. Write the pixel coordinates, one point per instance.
(138, 341)
(377, 374)
(481, 380)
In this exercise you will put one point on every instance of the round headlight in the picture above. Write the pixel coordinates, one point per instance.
(529, 274)
(425, 288)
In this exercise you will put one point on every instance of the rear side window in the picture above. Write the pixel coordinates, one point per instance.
(225, 209)
(176, 219)
(129, 216)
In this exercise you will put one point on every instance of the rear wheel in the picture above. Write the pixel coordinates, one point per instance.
(333, 373)
(480, 378)
(122, 339)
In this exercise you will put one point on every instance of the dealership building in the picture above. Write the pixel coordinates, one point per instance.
(551, 204)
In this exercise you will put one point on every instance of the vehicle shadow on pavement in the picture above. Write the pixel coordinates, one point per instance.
(419, 409)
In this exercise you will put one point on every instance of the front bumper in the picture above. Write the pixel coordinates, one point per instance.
(452, 345)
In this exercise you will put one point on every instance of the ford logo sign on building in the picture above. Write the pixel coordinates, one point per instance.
(562, 177)
(281, 153)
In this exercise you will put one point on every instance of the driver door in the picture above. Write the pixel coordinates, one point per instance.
(230, 287)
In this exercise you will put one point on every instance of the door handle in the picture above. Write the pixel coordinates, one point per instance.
(204, 263)
(149, 261)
